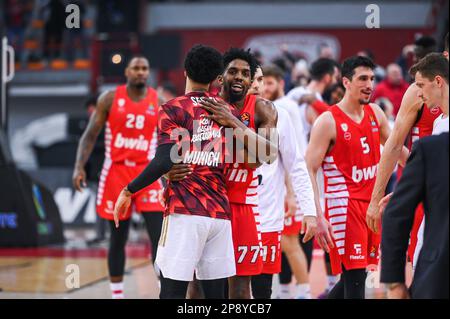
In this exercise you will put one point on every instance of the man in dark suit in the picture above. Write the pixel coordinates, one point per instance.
(424, 179)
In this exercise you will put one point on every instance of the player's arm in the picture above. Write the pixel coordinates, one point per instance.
(265, 120)
(323, 135)
(393, 152)
(89, 138)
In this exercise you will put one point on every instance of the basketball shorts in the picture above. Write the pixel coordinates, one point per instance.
(356, 246)
(113, 179)
(246, 240)
(271, 252)
(191, 243)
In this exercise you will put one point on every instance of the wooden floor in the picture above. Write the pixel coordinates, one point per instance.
(49, 272)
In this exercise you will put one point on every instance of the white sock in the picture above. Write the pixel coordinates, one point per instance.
(117, 290)
(302, 291)
(285, 292)
(332, 280)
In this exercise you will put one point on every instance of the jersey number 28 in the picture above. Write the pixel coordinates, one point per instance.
(135, 121)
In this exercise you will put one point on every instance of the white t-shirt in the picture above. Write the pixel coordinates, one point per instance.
(440, 125)
(295, 95)
(272, 190)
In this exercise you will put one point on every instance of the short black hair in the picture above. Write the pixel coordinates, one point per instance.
(424, 45)
(432, 65)
(137, 56)
(322, 67)
(241, 54)
(349, 65)
(203, 64)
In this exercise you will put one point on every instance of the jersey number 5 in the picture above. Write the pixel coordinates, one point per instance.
(366, 147)
(135, 121)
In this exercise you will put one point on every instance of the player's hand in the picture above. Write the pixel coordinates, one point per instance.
(219, 111)
(375, 211)
(290, 206)
(123, 202)
(324, 234)
(79, 179)
(399, 291)
(179, 172)
(309, 227)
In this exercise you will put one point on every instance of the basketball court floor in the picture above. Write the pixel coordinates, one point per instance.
(50, 272)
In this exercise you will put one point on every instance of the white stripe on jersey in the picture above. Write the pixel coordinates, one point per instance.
(104, 175)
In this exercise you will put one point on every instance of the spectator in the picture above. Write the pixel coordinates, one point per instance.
(412, 53)
(325, 51)
(15, 22)
(53, 30)
(393, 87)
(380, 73)
(166, 92)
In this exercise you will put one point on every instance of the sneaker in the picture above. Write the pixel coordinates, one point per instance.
(324, 295)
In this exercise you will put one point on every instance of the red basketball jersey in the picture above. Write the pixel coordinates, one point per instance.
(424, 124)
(130, 135)
(242, 182)
(350, 167)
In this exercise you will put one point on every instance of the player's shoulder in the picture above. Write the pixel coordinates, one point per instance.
(411, 100)
(106, 99)
(326, 119)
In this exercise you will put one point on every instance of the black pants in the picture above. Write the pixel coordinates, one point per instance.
(352, 285)
(262, 286)
(119, 237)
(177, 289)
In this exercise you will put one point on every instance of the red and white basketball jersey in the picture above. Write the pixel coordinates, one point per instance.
(131, 135)
(242, 182)
(350, 167)
(424, 124)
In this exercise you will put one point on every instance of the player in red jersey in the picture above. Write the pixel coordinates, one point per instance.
(416, 119)
(345, 142)
(242, 181)
(130, 116)
(196, 233)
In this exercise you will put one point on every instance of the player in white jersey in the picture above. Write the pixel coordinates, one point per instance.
(271, 208)
(324, 74)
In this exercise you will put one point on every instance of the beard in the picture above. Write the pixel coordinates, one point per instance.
(139, 85)
(364, 102)
(235, 97)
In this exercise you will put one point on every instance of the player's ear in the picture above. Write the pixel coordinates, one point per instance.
(220, 79)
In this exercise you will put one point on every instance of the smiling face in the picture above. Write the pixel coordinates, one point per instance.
(237, 80)
(360, 86)
(137, 72)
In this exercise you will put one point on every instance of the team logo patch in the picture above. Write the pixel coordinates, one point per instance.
(344, 127)
(151, 109)
(434, 110)
(347, 136)
(121, 102)
(245, 118)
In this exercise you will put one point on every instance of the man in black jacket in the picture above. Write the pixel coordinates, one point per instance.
(425, 179)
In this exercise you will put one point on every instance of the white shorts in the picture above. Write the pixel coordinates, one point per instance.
(191, 243)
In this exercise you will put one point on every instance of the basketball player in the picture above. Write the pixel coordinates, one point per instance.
(415, 118)
(196, 232)
(242, 180)
(130, 115)
(289, 169)
(345, 141)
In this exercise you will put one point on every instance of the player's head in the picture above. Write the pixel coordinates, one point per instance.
(431, 76)
(203, 64)
(137, 71)
(326, 71)
(273, 82)
(334, 94)
(257, 87)
(358, 78)
(423, 46)
(240, 68)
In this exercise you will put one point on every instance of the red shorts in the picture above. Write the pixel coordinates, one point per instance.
(356, 246)
(292, 226)
(418, 218)
(113, 179)
(246, 240)
(271, 252)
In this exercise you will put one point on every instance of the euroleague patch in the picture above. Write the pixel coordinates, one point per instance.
(245, 118)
